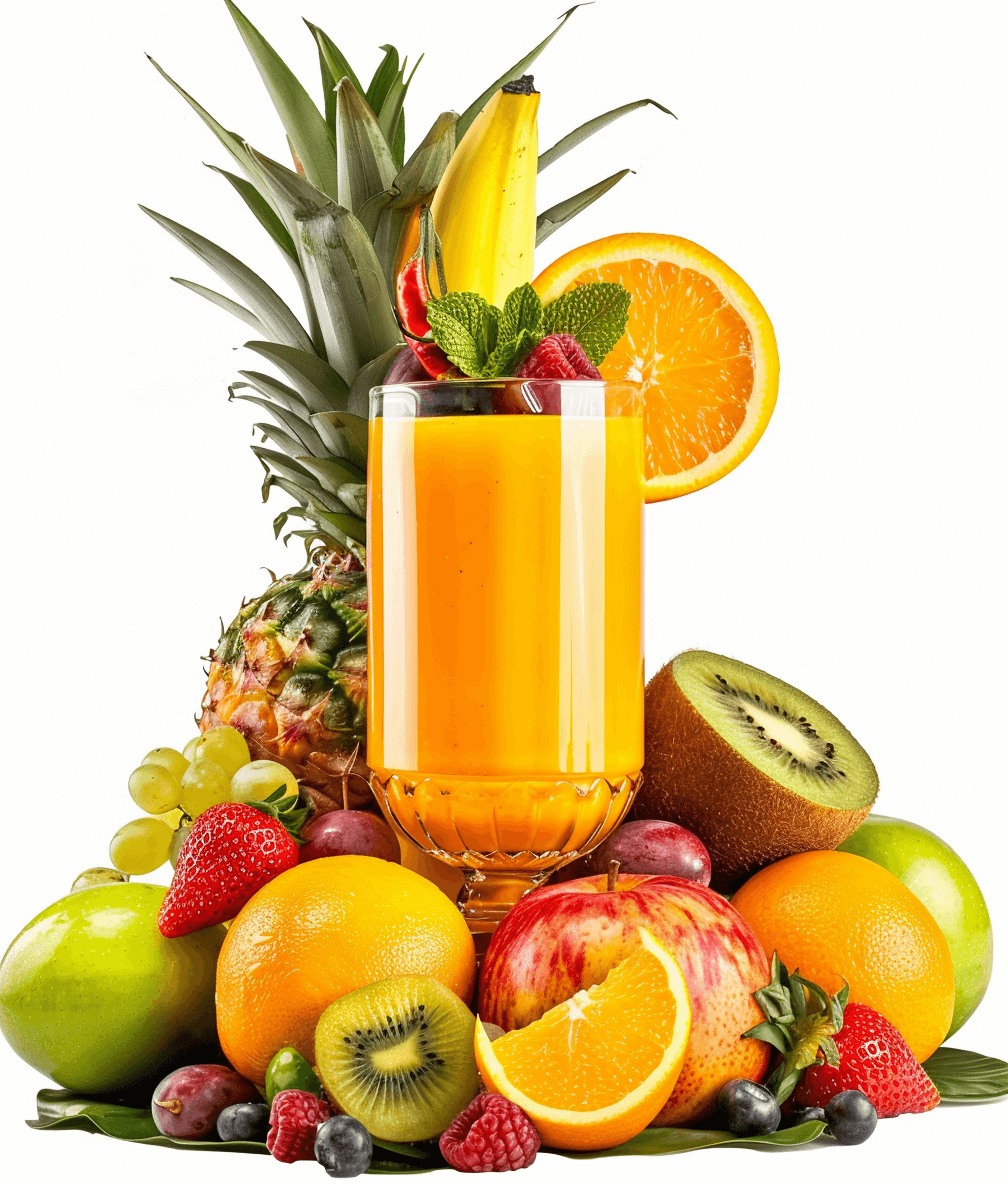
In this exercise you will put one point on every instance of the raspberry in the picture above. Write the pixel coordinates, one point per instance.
(490, 1135)
(558, 356)
(294, 1119)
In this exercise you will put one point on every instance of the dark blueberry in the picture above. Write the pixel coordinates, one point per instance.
(248, 1121)
(807, 1114)
(748, 1108)
(851, 1117)
(343, 1146)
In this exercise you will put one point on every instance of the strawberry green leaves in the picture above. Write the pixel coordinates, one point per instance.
(801, 1021)
(487, 342)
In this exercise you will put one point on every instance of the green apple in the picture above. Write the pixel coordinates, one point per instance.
(940, 880)
(94, 997)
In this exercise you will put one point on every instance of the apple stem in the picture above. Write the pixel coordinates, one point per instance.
(173, 1105)
(613, 874)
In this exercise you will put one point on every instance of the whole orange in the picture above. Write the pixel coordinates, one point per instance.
(320, 930)
(835, 916)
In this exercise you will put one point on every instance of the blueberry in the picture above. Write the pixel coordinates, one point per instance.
(748, 1108)
(248, 1121)
(807, 1114)
(343, 1146)
(851, 1117)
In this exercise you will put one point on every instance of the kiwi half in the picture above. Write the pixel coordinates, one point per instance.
(398, 1057)
(757, 769)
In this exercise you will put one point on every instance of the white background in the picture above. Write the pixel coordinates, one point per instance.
(847, 160)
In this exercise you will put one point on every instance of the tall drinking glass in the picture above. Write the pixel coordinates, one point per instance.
(505, 656)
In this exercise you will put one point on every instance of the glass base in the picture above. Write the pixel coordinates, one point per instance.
(506, 835)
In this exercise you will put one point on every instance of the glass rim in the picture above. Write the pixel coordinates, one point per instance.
(583, 398)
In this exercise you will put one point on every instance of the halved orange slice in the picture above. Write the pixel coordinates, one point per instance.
(593, 1072)
(699, 341)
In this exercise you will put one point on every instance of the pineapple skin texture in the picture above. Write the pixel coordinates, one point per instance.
(485, 207)
(290, 673)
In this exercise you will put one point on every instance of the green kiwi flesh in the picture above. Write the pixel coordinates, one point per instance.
(756, 768)
(398, 1057)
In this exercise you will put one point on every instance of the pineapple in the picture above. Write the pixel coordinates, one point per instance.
(290, 671)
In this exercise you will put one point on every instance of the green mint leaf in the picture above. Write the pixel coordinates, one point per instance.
(510, 354)
(465, 326)
(596, 314)
(522, 310)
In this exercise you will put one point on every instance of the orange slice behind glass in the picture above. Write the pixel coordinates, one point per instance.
(698, 340)
(593, 1071)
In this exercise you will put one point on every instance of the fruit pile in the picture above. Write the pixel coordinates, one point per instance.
(300, 988)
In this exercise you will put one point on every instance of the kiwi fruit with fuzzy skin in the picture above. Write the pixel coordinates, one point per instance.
(398, 1056)
(755, 768)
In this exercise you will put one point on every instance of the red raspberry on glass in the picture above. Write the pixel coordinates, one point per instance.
(490, 1135)
(294, 1119)
(558, 356)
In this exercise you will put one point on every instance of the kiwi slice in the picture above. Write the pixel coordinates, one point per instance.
(757, 769)
(398, 1057)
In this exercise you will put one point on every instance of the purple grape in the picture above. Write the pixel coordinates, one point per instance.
(188, 1102)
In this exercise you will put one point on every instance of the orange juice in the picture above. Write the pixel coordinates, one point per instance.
(505, 663)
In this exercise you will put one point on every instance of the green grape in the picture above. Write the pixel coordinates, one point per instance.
(226, 746)
(154, 789)
(168, 758)
(258, 780)
(204, 784)
(141, 846)
(98, 875)
(172, 818)
(189, 752)
(178, 838)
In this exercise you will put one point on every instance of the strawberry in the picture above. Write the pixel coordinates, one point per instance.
(232, 850)
(558, 356)
(828, 1046)
(875, 1059)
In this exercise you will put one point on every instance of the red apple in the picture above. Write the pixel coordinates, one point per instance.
(563, 938)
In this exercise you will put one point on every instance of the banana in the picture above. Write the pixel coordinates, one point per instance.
(484, 209)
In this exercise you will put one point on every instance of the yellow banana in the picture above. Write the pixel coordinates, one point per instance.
(484, 209)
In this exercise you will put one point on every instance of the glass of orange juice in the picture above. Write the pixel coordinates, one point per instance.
(505, 655)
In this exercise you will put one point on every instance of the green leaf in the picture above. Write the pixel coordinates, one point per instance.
(275, 391)
(309, 133)
(312, 377)
(586, 130)
(509, 355)
(231, 306)
(556, 216)
(522, 310)
(332, 472)
(390, 116)
(300, 431)
(962, 1076)
(670, 1140)
(366, 167)
(384, 77)
(333, 66)
(596, 314)
(344, 434)
(516, 71)
(264, 212)
(369, 375)
(254, 292)
(465, 326)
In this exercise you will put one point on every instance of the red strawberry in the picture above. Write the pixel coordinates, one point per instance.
(294, 1121)
(558, 356)
(232, 850)
(875, 1059)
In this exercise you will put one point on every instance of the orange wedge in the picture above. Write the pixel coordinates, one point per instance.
(698, 340)
(593, 1072)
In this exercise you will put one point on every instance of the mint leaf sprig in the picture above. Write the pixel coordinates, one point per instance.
(484, 341)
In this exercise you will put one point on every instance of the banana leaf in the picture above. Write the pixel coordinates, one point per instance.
(366, 167)
(333, 66)
(313, 378)
(281, 324)
(555, 217)
(224, 302)
(586, 130)
(516, 71)
(311, 136)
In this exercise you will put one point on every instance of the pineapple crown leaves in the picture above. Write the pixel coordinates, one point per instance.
(342, 243)
(488, 342)
(801, 1021)
(286, 809)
